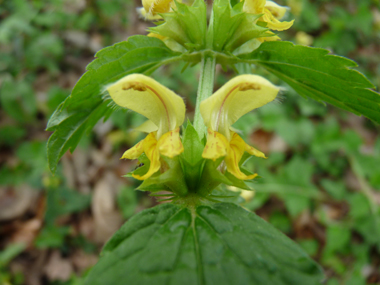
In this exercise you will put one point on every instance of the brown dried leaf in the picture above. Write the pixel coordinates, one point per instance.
(15, 202)
(58, 268)
(106, 216)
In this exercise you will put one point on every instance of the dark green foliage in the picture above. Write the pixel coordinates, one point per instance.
(315, 73)
(219, 244)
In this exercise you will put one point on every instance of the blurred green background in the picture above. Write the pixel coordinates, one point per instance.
(320, 185)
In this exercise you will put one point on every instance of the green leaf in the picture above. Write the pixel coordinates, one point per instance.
(218, 244)
(314, 73)
(85, 106)
(52, 237)
(337, 239)
(18, 99)
(336, 189)
(11, 134)
(10, 252)
(63, 201)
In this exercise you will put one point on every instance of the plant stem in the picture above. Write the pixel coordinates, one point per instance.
(206, 79)
(205, 89)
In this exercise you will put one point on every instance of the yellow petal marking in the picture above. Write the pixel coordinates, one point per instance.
(135, 151)
(234, 99)
(170, 144)
(216, 145)
(149, 98)
(234, 155)
(151, 151)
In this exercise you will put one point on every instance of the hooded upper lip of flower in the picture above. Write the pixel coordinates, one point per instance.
(272, 13)
(165, 111)
(220, 111)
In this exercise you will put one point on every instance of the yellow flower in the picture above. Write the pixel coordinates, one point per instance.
(271, 11)
(165, 111)
(220, 111)
(151, 8)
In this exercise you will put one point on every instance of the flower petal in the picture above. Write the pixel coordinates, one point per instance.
(149, 98)
(135, 151)
(153, 7)
(252, 151)
(216, 145)
(277, 11)
(273, 23)
(254, 6)
(170, 144)
(234, 155)
(146, 127)
(237, 97)
(146, 16)
(272, 12)
(151, 151)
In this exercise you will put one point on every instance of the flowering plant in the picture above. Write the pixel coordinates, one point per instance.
(202, 237)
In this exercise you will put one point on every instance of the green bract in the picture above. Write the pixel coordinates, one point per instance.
(187, 25)
(189, 174)
(233, 28)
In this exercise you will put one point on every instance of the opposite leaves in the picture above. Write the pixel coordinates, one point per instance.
(85, 106)
(218, 244)
(314, 73)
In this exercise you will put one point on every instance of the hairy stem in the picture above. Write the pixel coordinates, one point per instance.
(206, 79)
(205, 89)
